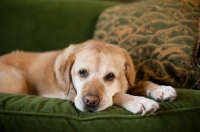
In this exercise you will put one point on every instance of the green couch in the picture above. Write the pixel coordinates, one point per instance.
(41, 25)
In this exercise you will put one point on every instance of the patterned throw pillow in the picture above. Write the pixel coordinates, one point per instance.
(160, 36)
(197, 53)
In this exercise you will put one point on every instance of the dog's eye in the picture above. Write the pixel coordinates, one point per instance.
(109, 77)
(83, 73)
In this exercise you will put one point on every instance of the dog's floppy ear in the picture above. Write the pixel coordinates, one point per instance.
(129, 69)
(65, 71)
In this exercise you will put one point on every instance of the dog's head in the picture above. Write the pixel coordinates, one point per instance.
(98, 71)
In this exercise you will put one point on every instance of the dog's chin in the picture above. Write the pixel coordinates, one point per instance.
(94, 109)
(90, 109)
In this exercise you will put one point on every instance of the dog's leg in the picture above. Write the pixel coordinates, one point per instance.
(135, 104)
(12, 80)
(157, 92)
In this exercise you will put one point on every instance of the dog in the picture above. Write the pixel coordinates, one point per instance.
(94, 75)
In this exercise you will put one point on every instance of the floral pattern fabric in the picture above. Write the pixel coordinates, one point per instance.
(161, 37)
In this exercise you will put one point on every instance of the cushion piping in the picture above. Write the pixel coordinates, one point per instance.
(97, 117)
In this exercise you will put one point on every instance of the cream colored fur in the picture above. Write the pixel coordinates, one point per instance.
(57, 74)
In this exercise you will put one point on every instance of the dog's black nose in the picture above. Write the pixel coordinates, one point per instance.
(91, 100)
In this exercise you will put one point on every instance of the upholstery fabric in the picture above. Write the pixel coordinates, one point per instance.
(159, 35)
(39, 25)
(197, 55)
(33, 113)
(42, 25)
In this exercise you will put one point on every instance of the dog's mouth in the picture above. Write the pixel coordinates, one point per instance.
(90, 109)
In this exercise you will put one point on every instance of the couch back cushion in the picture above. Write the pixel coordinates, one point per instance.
(42, 25)
(160, 36)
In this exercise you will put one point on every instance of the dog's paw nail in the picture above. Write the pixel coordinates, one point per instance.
(150, 111)
(167, 99)
(139, 112)
(158, 99)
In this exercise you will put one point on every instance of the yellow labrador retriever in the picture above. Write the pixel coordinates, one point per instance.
(94, 74)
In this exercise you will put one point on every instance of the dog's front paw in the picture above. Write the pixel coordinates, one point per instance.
(141, 105)
(163, 93)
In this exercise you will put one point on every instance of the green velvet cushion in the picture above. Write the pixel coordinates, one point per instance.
(33, 113)
(41, 25)
(160, 36)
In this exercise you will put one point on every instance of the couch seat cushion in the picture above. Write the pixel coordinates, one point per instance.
(34, 113)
